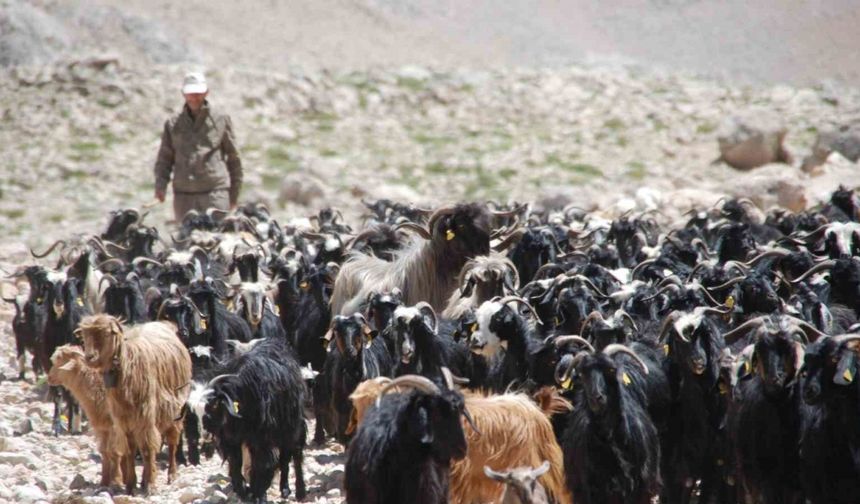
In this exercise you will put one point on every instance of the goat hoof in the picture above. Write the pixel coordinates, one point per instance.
(285, 493)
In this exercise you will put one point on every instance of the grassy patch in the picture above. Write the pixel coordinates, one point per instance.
(277, 157)
(436, 168)
(583, 169)
(706, 128)
(324, 120)
(636, 170)
(614, 124)
(14, 213)
(327, 152)
(108, 137)
(85, 151)
(507, 173)
(411, 84)
(432, 140)
(270, 179)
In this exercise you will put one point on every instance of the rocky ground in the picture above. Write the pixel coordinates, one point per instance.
(80, 131)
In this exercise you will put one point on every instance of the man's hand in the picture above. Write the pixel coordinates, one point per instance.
(159, 195)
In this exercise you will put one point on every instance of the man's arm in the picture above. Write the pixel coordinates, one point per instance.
(234, 164)
(164, 163)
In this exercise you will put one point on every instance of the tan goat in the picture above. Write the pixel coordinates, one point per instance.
(514, 432)
(68, 369)
(147, 373)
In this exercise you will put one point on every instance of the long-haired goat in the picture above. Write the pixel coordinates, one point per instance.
(147, 371)
(482, 279)
(426, 270)
(86, 385)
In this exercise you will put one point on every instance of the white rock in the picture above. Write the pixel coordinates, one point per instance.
(21, 458)
(29, 493)
(217, 497)
(190, 495)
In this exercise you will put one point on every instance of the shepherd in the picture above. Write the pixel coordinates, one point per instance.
(199, 150)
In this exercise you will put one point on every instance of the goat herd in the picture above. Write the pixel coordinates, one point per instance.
(475, 353)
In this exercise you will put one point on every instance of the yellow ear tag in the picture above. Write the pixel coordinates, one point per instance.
(730, 302)
(626, 379)
(724, 389)
(747, 367)
(473, 327)
(277, 310)
(449, 235)
(236, 406)
(848, 376)
(79, 301)
(304, 284)
(666, 349)
(64, 418)
(566, 384)
(555, 321)
(40, 300)
(203, 324)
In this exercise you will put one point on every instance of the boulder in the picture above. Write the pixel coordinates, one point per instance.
(845, 141)
(745, 145)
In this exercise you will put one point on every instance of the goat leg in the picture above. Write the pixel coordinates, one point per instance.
(57, 422)
(234, 462)
(262, 471)
(173, 438)
(284, 465)
(298, 459)
(22, 363)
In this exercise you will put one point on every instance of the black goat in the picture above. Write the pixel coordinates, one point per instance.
(302, 300)
(830, 432)
(611, 446)
(65, 311)
(765, 422)
(124, 298)
(221, 325)
(421, 349)
(695, 440)
(357, 355)
(403, 449)
(258, 403)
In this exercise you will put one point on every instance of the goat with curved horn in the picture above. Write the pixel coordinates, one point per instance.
(50, 249)
(615, 348)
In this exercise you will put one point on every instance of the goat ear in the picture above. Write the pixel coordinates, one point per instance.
(425, 429)
(846, 368)
(466, 291)
(69, 366)
(115, 328)
(231, 406)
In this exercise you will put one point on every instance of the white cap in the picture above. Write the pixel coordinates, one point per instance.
(194, 82)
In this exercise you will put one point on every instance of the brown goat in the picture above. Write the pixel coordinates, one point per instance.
(88, 388)
(513, 432)
(147, 373)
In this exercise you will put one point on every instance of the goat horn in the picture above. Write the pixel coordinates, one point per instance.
(562, 340)
(732, 336)
(497, 476)
(438, 214)
(218, 378)
(826, 265)
(738, 265)
(702, 246)
(179, 242)
(422, 232)
(508, 213)
(639, 267)
(357, 238)
(707, 294)
(727, 284)
(50, 249)
(112, 260)
(845, 338)
(507, 299)
(422, 305)
(661, 291)
(627, 317)
(548, 267)
(769, 253)
(210, 212)
(667, 323)
(810, 330)
(515, 235)
(615, 348)
(110, 278)
(415, 381)
(591, 285)
(589, 319)
(138, 260)
(452, 380)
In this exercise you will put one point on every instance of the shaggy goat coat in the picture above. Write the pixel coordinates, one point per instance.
(514, 430)
(86, 385)
(153, 374)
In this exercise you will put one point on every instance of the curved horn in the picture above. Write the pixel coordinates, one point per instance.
(595, 315)
(845, 338)
(50, 249)
(110, 278)
(826, 265)
(438, 214)
(422, 232)
(501, 477)
(727, 284)
(112, 260)
(179, 242)
(452, 380)
(507, 299)
(733, 335)
(642, 265)
(138, 260)
(626, 316)
(769, 253)
(423, 305)
(515, 235)
(615, 348)
(218, 378)
(562, 340)
(415, 381)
